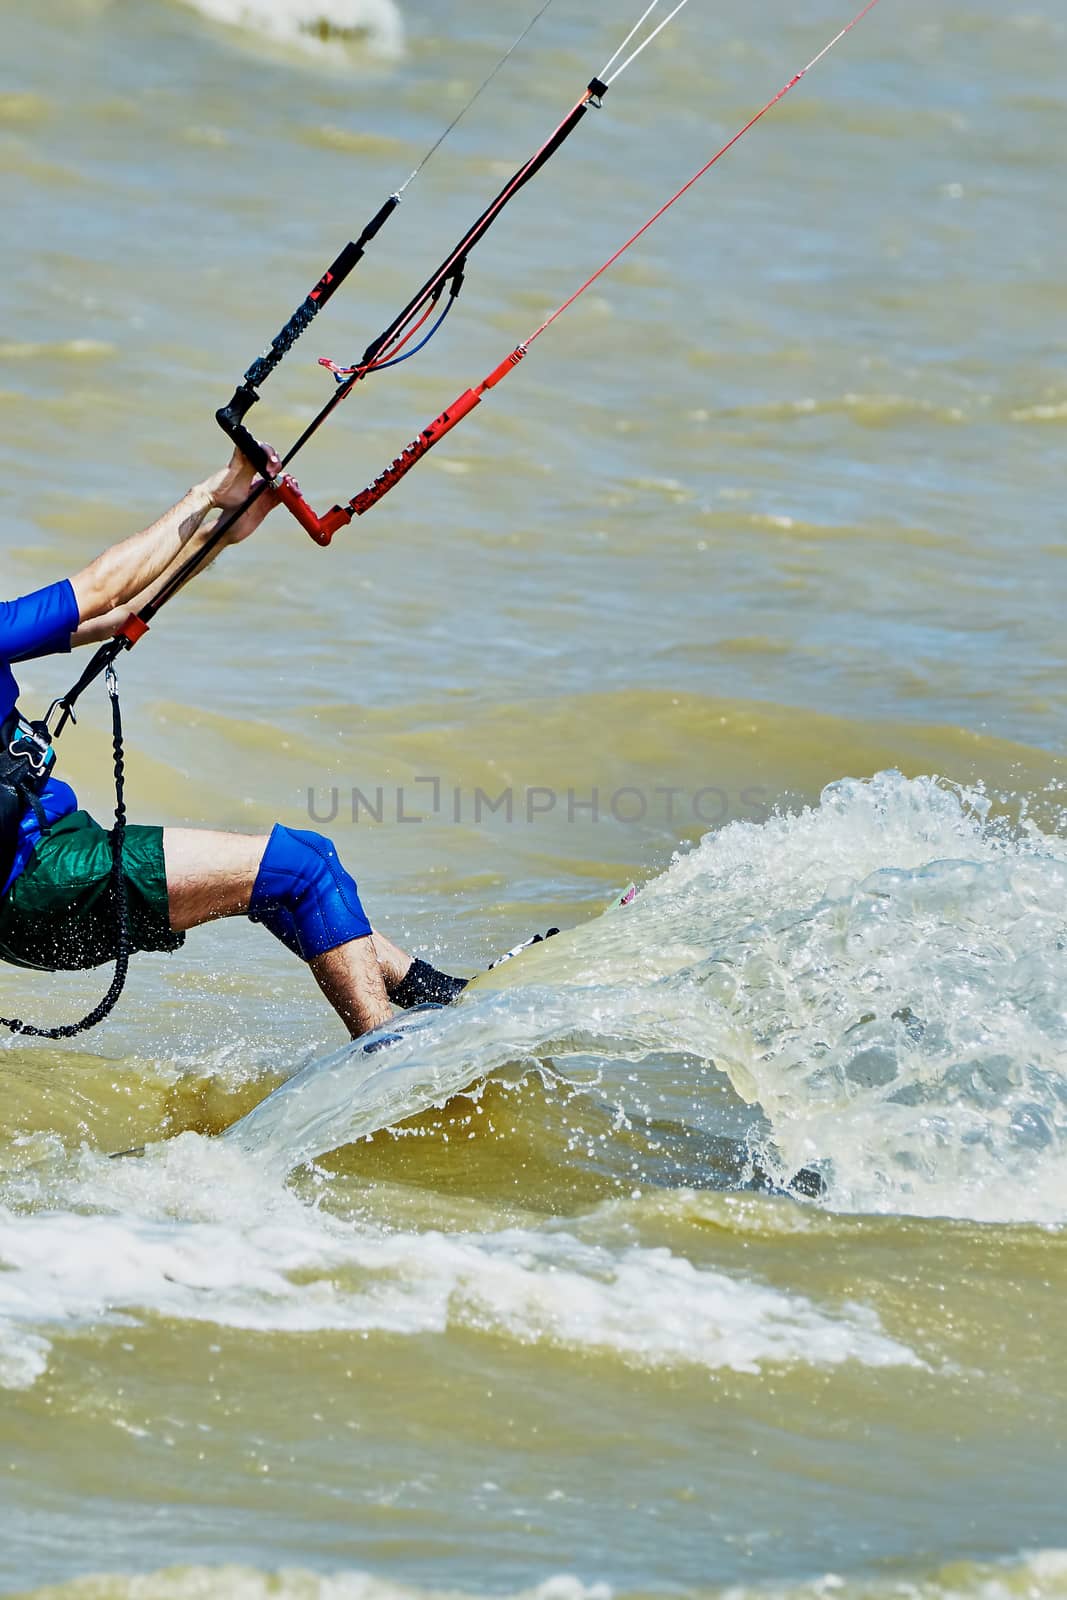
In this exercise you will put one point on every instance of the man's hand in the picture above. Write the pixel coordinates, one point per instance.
(231, 486)
(261, 506)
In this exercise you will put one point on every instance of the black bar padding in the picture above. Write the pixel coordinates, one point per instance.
(328, 284)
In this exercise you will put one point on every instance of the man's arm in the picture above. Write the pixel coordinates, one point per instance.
(128, 574)
(95, 629)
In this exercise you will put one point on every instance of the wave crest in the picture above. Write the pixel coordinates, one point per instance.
(882, 978)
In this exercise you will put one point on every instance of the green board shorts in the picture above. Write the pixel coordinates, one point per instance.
(59, 915)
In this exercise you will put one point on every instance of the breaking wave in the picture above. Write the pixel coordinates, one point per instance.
(312, 24)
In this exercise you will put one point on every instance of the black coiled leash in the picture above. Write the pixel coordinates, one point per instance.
(119, 894)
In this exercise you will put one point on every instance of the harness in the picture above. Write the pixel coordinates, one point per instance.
(26, 762)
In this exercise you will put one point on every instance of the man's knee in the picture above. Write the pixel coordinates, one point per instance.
(304, 896)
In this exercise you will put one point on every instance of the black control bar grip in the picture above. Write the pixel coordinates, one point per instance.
(328, 284)
(230, 420)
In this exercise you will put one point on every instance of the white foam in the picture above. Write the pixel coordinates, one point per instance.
(265, 1261)
(1040, 1575)
(1037, 1575)
(233, 1582)
(312, 24)
(889, 984)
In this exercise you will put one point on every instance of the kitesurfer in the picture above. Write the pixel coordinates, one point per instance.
(57, 910)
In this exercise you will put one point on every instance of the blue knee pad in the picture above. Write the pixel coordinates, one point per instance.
(304, 896)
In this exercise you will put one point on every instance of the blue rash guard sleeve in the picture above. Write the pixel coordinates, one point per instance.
(40, 624)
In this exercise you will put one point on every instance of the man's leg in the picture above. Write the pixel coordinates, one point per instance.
(351, 979)
(213, 874)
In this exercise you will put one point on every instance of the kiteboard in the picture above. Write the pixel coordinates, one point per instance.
(373, 1081)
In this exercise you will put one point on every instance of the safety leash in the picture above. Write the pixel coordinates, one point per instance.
(118, 891)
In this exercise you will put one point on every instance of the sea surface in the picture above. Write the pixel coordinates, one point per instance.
(746, 587)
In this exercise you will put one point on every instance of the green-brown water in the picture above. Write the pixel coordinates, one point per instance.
(776, 507)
